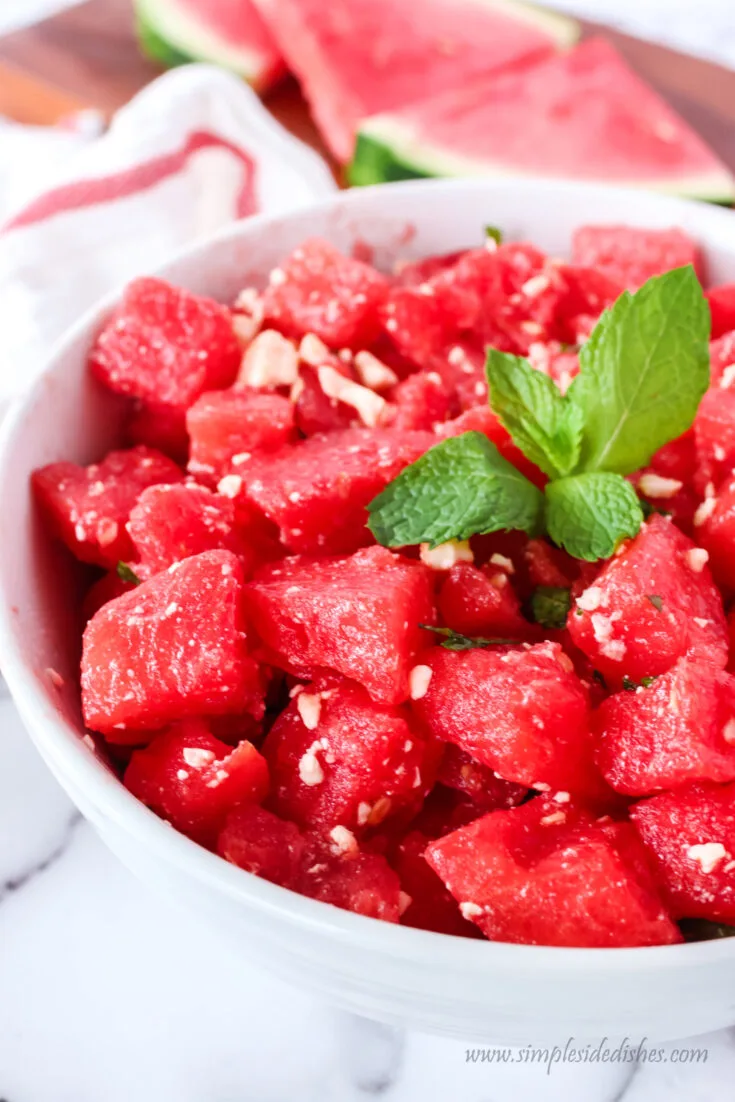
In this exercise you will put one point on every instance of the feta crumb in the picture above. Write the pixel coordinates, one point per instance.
(708, 855)
(704, 511)
(614, 649)
(313, 350)
(182, 774)
(728, 731)
(197, 758)
(655, 486)
(171, 609)
(591, 599)
(230, 485)
(270, 360)
(470, 910)
(418, 681)
(310, 770)
(373, 373)
(363, 813)
(309, 707)
(446, 555)
(404, 902)
(697, 559)
(727, 377)
(277, 277)
(344, 840)
(561, 798)
(501, 560)
(536, 285)
(552, 819)
(539, 786)
(368, 405)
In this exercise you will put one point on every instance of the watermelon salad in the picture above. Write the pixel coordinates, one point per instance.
(411, 591)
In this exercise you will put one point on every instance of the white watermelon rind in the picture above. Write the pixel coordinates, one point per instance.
(388, 149)
(173, 35)
(561, 30)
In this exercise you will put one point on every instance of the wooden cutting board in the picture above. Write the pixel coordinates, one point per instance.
(87, 57)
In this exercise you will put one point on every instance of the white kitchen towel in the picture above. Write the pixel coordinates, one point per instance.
(193, 151)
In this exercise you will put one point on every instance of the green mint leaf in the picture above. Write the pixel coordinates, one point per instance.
(546, 426)
(126, 573)
(628, 684)
(647, 681)
(550, 606)
(454, 641)
(656, 601)
(457, 489)
(589, 514)
(643, 372)
(494, 234)
(701, 929)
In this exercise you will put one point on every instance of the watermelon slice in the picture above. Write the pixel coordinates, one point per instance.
(226, 32)
(583, 115)
(355, 60)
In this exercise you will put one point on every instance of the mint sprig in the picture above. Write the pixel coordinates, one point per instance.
(457, 489)
(454, 640)
(642, 375)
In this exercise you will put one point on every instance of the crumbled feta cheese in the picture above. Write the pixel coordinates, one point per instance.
(344, 840)
(704, 511)
(655, 486)
(230, 485)
(277, 277)
(553, 819)
(536, 285)
(310, 770)
(591, 599)
(446, 555)
(561, 798)
(182, 774)
(470, 910)
(363, 813)
(373, 373)
(539, 786)
(197, 758)
(727, 377)
(697, 559)
(418, 681)
(368, 405)
(728, 731)
(614, 649)
(309, 707)
(501, 560)
(708, 855)
(269, 360)
(313, 350)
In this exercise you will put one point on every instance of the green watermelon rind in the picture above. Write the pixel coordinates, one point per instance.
(387, 151)
(171, 36)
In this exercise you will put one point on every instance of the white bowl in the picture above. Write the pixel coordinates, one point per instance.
(488, 991)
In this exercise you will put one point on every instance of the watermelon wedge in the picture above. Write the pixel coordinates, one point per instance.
(360, 58)
(583, 115)
(226, 32)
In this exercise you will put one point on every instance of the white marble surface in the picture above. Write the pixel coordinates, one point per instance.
(109, 995)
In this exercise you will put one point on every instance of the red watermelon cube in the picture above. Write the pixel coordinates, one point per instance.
(339, 759)
(319, 290)
(715, 531)
(522, 712)
(420, 401)
(650, 605)
(480, 784)
(722, 308)
(87, 507)
(482, 601)
(160, 427)
(259, 842)
(548, 874)
(629, 255)
(173, 647)
(174, 522)
(317, 491)
(229, 426)
(690, 835)
(679, 729)
(363, 883)
(432, 906)
(714, 435)
(193, 780)
(359, 616)
(166, 345)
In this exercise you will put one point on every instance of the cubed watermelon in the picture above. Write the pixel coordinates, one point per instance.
(339, 759)
(160, 427)
(193, 780)
(548, 874)
(482, 601)
(358, 615)
(480, 784)
(363, 883)
(420, 401)
(691, 837)
(630, 255)
(522, 712)
(651, 604)
(317, 491)
(714, 434)
(319, 290)
(105, 589)
(259, 842)
(722, 356)
(229, 426)
(173, 522)
(722, 308)
(432, 906)
(173, 647)
(316, 411)
(87, 507)
(166, 345)
(679, 729)
(715, 531)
